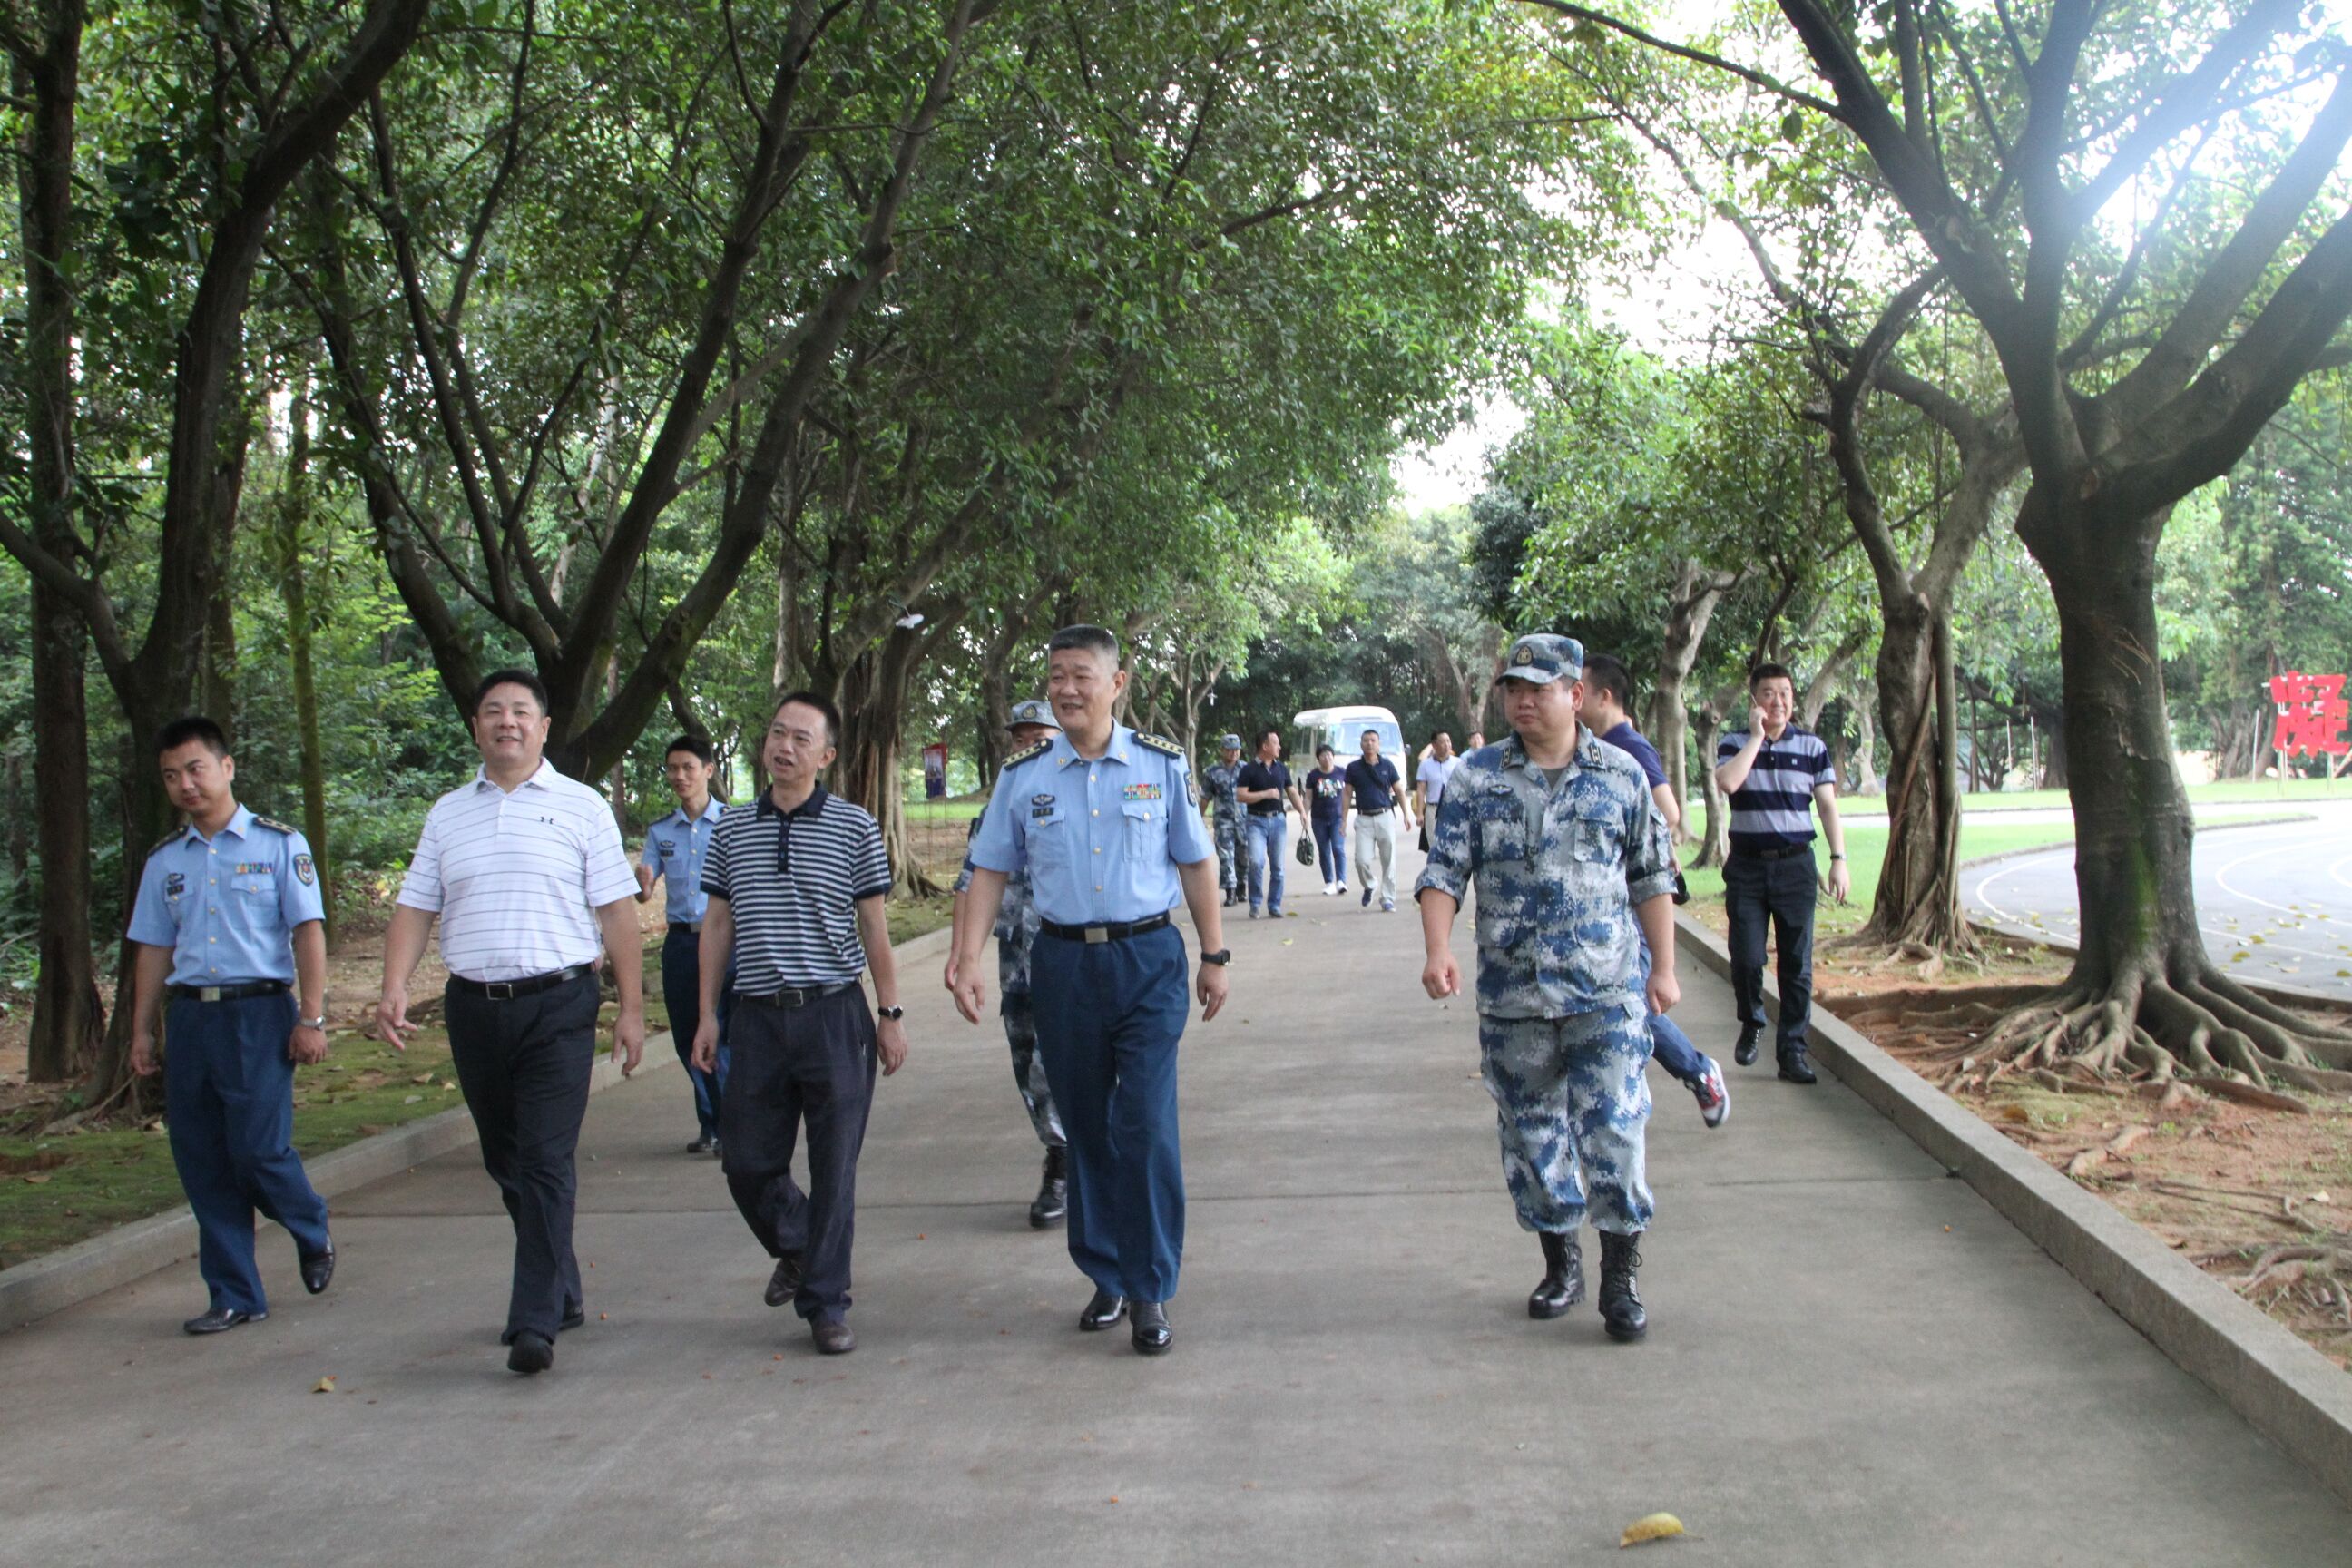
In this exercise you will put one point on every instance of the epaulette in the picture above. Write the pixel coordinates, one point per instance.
(169, 839)
(274, 826)
(1028, 753)
(1160, 744)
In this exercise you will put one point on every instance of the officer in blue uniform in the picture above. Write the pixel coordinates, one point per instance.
(1107, 826)
(673, 855)
(1017, 932)
(228, 921)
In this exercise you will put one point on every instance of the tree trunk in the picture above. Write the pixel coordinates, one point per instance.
(216, 680)
(872, 695)
(1714, 836)
(1866, 747)
(293, 578)
(1690, 607)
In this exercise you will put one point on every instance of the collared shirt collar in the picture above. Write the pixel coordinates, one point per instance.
(1065, 754)
(240, 821)
(812, 806)
(1585, 751)
(537, 779)
(711, 807)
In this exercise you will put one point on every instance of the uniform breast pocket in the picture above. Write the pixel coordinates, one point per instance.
(1147, 828)
(1600, 840)
(1050, 838)
(256, 886)
(1501, 827)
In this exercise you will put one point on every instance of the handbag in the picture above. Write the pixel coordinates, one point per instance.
(1305, 849)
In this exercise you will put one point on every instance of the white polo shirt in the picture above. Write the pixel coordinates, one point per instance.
(517, 877)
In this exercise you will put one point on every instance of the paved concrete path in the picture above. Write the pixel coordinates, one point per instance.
(2274, 901)
(1854, 1359)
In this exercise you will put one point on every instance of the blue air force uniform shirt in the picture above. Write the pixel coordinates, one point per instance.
(226, 905)
(1100, 839)
(675, 847)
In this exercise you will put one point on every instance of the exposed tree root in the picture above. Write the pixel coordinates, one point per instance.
(2197, 1026)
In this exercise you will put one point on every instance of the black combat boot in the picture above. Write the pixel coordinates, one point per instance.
(1563, 1280)
(1053, 1192)
(1795, 1067)
(1621, 1299)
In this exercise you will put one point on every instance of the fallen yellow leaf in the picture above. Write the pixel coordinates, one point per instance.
(1656, 1527)
(324, 1385)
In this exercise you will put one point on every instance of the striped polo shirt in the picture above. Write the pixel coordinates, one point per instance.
(1774, 808)
(791, 880)
(517, 877)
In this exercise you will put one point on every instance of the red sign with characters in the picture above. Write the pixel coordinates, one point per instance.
(2312, 714)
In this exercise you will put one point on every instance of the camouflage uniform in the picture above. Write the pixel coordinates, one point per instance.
(1563, 1029)
(1016, 928)
(1218, 781)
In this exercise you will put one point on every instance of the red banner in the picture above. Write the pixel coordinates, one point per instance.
(2312, 714)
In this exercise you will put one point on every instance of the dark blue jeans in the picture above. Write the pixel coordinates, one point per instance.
(1668, 1044)
(681, 962)
(1329, 854)
(1782, 892)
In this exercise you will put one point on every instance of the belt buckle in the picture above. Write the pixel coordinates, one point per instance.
(1098, 934)
(208, 993)
(499, 990)
(791, 996)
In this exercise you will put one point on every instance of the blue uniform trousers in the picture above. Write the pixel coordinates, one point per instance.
(1266, 834)
(681, 962)
(228, 1100)
(524, 1065)
(813, 1063)
(1109, 1018)
(1782, 892)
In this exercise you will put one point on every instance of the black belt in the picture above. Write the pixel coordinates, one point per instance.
(693, 927)
(528, 985)
(228, 992)
(795, 995)
(1781, 852)
(1114, 932)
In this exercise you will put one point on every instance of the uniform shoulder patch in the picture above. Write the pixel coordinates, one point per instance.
(1029, 754)
(274, 826)
(1160, 744)
(169, 839)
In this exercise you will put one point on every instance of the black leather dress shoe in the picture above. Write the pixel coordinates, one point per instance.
(574, 1317)
(1796, 1068)
(1152, 1335)
(220, 1320)
(1104, 1309)
(833, 1337)
(786, 1282)
(531, 1352)
(318, 1268)
(1744, 1053)
(1053, 1200)
(705, 1144)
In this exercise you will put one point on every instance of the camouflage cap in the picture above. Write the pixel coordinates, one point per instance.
(1542, 657)
(1230, 742)
(1034, 711)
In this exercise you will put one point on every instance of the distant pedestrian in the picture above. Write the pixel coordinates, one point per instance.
(675, 847)
(797, 881)
(1607, 694)
(1264, 787)
(228, 923)
(1017, 932)
(1375, 800)
(1109, 826)
(525, 870)
(1227, 816)
(1477, 741)
(1429, 781)
(1775, 770)
(1327, 814)
(1572, 869)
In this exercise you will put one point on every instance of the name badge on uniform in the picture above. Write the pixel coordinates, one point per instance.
(174, 884)
(1040, 807)
(1141, 791)
(668, 846)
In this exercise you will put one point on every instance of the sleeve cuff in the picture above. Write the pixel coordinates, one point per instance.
(1648, 887)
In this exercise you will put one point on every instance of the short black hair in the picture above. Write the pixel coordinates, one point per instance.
(1273, 730)
(1758, 674)
(818, 701)
(194, 726)
(525, 679)
(704, 752)
(1325, 750)
(1606, 672)
(1094, 639)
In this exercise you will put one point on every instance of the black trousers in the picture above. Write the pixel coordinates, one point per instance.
(524, 1065)
(811, 1064)
(1780, 893)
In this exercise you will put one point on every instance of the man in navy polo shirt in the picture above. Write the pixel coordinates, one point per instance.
(1375, 797)
(1775, 771)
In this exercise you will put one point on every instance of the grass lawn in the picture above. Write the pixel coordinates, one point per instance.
(2232, 790)
(1866, 848)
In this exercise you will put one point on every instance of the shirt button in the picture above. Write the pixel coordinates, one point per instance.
(1098, 811)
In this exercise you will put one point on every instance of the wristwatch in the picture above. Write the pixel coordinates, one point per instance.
(1222, 957)
(891, 1013)
(318, 1023)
